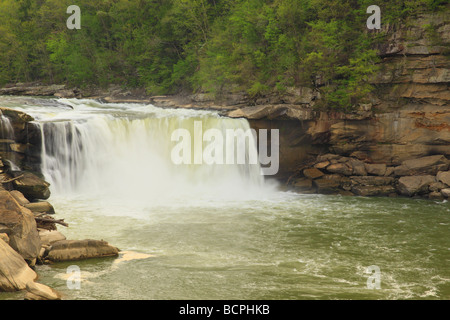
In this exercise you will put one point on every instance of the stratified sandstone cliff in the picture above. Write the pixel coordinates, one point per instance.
(408, 115)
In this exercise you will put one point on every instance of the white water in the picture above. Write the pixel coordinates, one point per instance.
(6, 129)
(120, 155)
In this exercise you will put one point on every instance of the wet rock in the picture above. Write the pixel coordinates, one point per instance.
(14, 271)
(38, 291)
(32, 186)
(412, 185)
(69, 250)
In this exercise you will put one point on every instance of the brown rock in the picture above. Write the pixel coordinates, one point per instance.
(302, 184)
(436, 186)
(425, 165)
(20, 225)
(412, 185)
(32, 186)
(312, 173)
(375, 169)
(322, 165)
(444, 177)
(367, 191)
(50, 236)
(68, 250)
(446, 192)
(19, 197)
(358, 167)
(435, 195)
(14, 271)
(371, 181)
(327, 184)
(341, 168)
(37, 291)
(40, 207)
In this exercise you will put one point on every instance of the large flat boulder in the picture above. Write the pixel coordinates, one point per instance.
(430, 165)
(412, 185)
(69, 250)
(20, 225)
(14, 271)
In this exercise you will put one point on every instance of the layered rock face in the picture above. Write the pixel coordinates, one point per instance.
(334, 174)
(408, 115)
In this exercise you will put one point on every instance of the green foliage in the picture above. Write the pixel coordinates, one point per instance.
(215, 46)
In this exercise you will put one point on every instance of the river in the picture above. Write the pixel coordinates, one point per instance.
(219, 231)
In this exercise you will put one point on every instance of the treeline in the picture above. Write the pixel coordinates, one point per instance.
(214, 46)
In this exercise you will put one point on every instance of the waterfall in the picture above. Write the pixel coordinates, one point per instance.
(124, 152)
(6, 128)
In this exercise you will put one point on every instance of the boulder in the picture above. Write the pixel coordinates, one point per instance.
(40, 207)
(436, 186)
(328, 184)
(32, 186)
(430, 165)
(446, 192)
(50, 236)
(302, 184)
(367, 191)
(20, 225)
(69, 250)
(341, 168)
(37, 291)
(14, 271)
(20, 198)
(371, 181)
(358, 167)
(412, 185)
(322, 165)
(435, 196)
(444, 177)
(375, 169)
(312, 173)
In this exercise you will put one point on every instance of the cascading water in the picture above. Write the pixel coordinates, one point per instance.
(219, 231)
(6, 128)
(123, 153)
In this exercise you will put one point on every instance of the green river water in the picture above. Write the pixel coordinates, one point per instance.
(271, 244)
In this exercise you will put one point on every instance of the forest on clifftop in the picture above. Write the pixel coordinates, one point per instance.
(212, 46)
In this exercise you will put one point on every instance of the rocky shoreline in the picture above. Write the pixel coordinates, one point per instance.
(426, 177)
(28, 230)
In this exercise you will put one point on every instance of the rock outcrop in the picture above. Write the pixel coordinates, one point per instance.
(14, 271)
(334, 174)
(69, 250)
